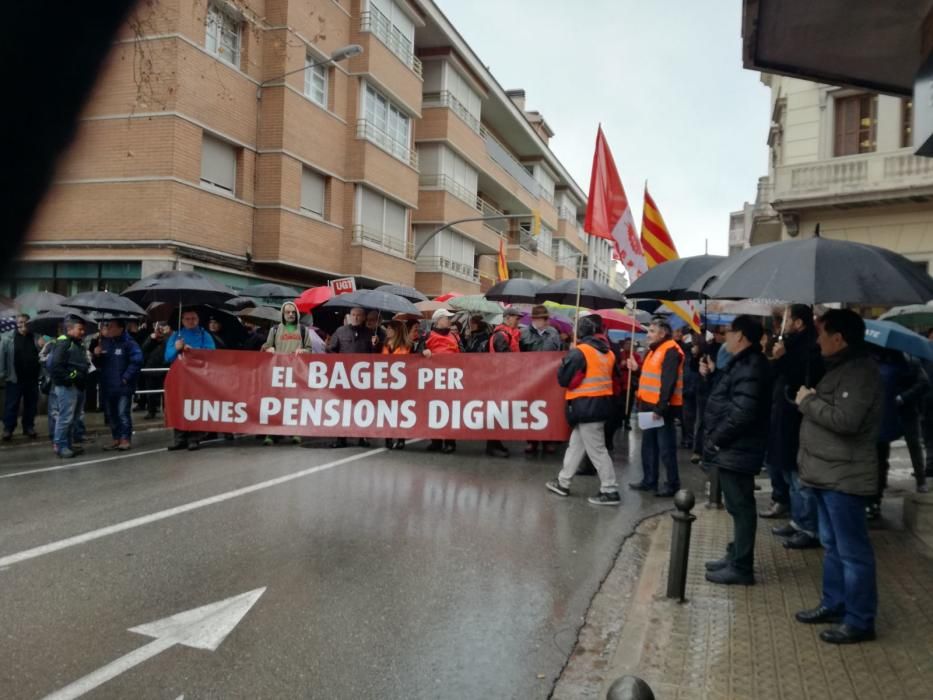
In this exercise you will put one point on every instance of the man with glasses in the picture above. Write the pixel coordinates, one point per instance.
(19, 365)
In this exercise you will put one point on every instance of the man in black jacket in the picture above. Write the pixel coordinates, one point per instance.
(68, 368)
(19, 365)
(586, 373)
(353, 339)
(797, 362)
(736, 435)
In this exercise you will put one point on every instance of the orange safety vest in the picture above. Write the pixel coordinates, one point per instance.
(598, 378)
(649, 385)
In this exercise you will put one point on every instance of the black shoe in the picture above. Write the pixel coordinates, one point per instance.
(640, 486)
(718, 564)
(846, 634)
(364, 442)
(32, 435)
(819, 616)
(435, 446)
(448, 448)
(497, 452)
(775, 510)
(150, 416)
(338, 443)
(729, 576)
(605, 499)
(390, 444)
(194, 446)
(177, 446)
(801, 540)
(784, 531)
(555, 487)
(626, 426)
(666, 493)
(400, 444)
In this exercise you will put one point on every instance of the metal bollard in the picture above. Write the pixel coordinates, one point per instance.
(715, 490)
(680, 544)
(629, 688)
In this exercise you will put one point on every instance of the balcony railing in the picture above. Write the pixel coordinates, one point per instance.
(365, 129)
(500, 226)
(448, 267)
(528, 242)
(566, 213)
(501, 155)
(382, 241)
(447, 99)
(866, 173)
(381, 27)
(447, 183)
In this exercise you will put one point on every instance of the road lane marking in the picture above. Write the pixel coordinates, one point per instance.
(91, 535)
(205, 627)
(74, 465)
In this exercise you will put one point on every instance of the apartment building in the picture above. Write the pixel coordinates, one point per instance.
(843, 159)
(221, 138)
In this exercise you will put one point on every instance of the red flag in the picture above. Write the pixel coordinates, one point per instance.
(608, 214)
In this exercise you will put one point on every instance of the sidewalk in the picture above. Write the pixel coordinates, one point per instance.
(94, 421)
(736, 642)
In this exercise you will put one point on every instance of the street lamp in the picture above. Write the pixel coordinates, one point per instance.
(341, 54)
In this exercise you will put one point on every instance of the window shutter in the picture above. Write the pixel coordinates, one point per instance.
(395, 220)
(371, 211)
(312, 192)
(218, 163)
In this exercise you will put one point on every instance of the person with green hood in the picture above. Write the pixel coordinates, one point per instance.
(288, 337)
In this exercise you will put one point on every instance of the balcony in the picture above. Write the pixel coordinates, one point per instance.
(447, 99)
(381, 27)
(383, 242)
(500, 226)
(448, 267)
(448, 184)
(368, 131)
(524, 255)
(857, 179)
(504, 158)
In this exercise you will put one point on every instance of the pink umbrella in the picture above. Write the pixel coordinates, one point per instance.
(614, 320)
(448, 296)
(312, 298)
(559, 321)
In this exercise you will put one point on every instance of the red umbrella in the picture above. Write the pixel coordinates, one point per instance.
(313, 297)
(448, 296)
(614, 320)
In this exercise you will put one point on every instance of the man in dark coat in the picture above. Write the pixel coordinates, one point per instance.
(736, 436)
(119, 359)
(353, 338)
(153, 349)
(68, 367)
(19, 365)
(839, 461)
(797, 363)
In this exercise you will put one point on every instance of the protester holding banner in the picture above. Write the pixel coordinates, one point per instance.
(353, 338)
(505, 338)
(396, 343)
(586, 373)
(189, 337)
(477, 336)
(441, 340)
(540, 336)
(119, 359)
(373, 323)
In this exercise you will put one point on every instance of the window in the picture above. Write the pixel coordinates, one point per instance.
(382, 222)
(218, 164)
(856, 118)
(448, 252)
(386, 125)
(545, 181)
(544, 241)
(316, 82)
(69, 278)
(223, 35)
(907, 118)
(313, 187)
(442, 167)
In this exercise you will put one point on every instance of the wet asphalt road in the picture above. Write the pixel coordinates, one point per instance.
(398, 574)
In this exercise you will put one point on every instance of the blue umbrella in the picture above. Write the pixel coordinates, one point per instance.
(891, 335)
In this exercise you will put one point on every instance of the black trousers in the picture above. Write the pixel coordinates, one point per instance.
(738, 490)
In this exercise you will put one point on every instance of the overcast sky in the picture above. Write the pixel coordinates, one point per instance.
(666, 81)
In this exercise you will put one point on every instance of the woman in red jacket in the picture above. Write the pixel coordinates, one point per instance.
(440, 341)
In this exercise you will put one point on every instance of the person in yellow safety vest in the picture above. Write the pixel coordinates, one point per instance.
(661, 393)
(586, 373)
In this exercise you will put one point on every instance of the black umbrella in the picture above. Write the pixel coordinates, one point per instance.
(240, 303)
(105, 305)
(517, 291)
(409, 293)
(671, 280)
(270, 291)
(593, 295)
(371, 299)
(261, 315)
(819, 270)
(179, 287)
(33, 302)
(49, 321)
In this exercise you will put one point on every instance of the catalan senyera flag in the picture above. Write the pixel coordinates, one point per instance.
(659, 247)
(608, 214)
(501, 263)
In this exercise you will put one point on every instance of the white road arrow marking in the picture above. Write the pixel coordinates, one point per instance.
(201, 628)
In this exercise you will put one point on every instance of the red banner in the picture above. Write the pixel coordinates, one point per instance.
(469, 397)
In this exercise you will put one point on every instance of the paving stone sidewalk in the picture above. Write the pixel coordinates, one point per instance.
(736, 642)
